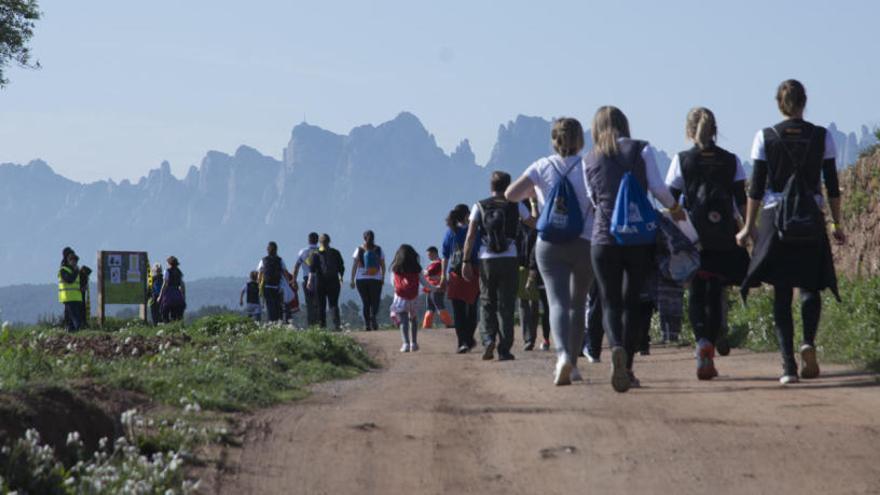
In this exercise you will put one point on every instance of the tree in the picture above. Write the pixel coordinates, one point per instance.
(17, 18)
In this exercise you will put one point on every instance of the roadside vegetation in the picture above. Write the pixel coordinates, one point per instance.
(175, 385)
(849, 331)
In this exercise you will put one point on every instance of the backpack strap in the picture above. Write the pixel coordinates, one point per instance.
(798, 166)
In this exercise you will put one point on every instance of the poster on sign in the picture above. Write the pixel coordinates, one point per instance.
(122, 279)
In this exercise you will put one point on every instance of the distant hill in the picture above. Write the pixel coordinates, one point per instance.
(392, 178)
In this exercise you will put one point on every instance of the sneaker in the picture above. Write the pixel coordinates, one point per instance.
(489, 351)
(404, 348)
(593, 359)
(705, 361)
(506, 356)
(528, 346)
(545, 346)
(633, 381)
(619, 377)
(576, 374)
(723, 346)
(562, 376)
(809, 364)
(786, 379)
(463, 349)
(413, 347)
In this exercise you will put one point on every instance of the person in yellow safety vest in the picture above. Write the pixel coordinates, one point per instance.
(69, 290)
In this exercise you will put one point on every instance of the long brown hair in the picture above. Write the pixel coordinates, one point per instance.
(609, 125)
(701, 127)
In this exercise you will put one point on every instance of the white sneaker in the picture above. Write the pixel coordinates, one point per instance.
(404, 348)
(576, 375)
(591, 359)
(563, 371)
(413, 347)
(786, 379)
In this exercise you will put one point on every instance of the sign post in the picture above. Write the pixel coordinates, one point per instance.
(122, 279)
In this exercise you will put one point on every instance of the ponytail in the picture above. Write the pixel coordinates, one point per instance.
(701, 127)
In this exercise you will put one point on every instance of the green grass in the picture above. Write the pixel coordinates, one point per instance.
(225, 363)
(199, 371)
(849, 331)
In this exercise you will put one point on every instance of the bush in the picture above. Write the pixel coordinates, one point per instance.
(849, 331)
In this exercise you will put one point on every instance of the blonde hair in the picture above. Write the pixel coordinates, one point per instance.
(609, 125)
(701, 127)
(567, 136)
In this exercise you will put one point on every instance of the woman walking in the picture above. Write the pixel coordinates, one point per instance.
(172, 296)
(367, 275)
(791, 160)
(620, 269)
(463, 294)
(563, 260)
(713, 183)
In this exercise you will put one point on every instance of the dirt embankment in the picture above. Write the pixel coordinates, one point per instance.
(92, 411)
(860, 256)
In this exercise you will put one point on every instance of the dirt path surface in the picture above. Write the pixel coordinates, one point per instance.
(434, 422)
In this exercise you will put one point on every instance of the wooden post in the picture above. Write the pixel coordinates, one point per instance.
(145, 266)
(101, 289)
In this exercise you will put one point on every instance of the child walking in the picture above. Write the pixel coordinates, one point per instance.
(407, 276)
(435, 300)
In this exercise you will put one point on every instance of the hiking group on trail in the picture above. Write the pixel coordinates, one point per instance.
(578, 247)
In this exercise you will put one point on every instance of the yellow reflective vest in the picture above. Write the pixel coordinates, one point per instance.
(68, 292)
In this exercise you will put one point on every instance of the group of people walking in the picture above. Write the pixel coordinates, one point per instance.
(573, 221)
(575, 238)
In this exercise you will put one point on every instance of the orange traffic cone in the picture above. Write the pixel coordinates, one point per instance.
(428, 321)
(446, 318)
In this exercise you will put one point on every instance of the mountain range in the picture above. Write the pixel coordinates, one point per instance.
(392, 178)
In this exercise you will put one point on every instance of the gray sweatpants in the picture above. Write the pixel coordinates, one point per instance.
(568, 273)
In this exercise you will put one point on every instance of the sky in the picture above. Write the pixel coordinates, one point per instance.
(126, 85)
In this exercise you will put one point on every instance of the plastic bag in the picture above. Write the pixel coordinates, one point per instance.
(677, 257)
(685, 226)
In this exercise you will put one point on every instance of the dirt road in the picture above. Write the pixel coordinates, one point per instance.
(434, 422)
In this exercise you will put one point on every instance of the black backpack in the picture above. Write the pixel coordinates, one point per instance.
(456, 261)
(798, 217)
(710, 203)
(253, 293)
(330, 268)
(272, 271)
(499, 222)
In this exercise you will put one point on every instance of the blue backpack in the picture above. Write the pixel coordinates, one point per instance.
(634, 221)
(562, 219)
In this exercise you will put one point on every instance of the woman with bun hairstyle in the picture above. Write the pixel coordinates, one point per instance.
(793, 156)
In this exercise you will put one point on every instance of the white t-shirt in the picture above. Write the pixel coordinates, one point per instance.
(543, 176)
(303, 259)
(485, 253)
(759, 153)
(675, 179)
(362, 273)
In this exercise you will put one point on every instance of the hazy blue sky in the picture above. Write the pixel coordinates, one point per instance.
(125, 85)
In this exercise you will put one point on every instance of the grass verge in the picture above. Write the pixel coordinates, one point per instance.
(190, 376)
